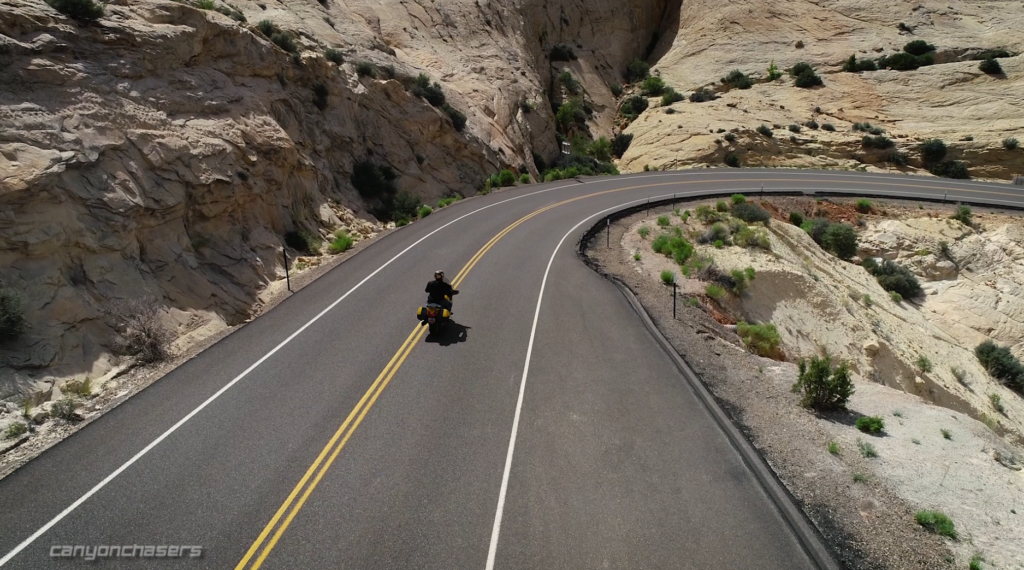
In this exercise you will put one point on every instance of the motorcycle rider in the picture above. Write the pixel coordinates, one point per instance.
(438, 288)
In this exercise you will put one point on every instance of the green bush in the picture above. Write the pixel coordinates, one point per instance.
(681, 249)
(951, 169)
(866, 449)
(722, 206)
(663, 221)
(828, 127)
(422, 88)
(918, 47)
(334, 55)
(702, 96)
(637, 70)
(729, 137)
(863, 205)
(853, 66)
(457, 117)
(936, 522)
(880, 142)
(1010, 143)
(12, 318)
(285, 42)
(903, 61)
(667, 277)
(601, 149)
(15, 430)
(205, 4)
(762, 340)
(1001, 364)
(424, 211)
(507, 178)
(342, 242)
(616, 89)
(751, 213)
(732, 160)
(764, 130)
(741, 279)
(652, 87)
(524, 179)
(562, 52)
(64, 409)
(738, 79)
(660, 244)
(738, 199)
(962, 214)
(795, 128)
(894, 277)
(443, 202)
(812, 124)
(571, 84)
(896, 297)
(841, 240)
(633, 106)
(991, 54)
(82, 10)
(671, 96)
(267, 28)
(366, 69)
(643, 231)
(991, 67)
(933, 150)
(402, 207)
(620, 143)
(870, 424)
(898, 158)
(303, 241)
(773, 71)
(796, 218)
(373, 181)
(714, 291)
(823, 386)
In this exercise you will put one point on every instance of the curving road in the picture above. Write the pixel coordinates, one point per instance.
(548, 430)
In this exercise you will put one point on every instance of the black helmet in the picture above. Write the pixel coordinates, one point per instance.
(439, 274)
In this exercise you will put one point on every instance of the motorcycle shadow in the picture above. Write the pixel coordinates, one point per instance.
(450, 334)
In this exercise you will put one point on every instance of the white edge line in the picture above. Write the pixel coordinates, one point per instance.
(496, 529)
(46, 527)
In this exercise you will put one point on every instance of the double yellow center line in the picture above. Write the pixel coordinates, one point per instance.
(330, 452)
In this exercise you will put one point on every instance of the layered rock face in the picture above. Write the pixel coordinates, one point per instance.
(165, 150)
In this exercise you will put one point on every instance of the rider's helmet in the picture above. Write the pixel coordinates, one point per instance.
(439, 275)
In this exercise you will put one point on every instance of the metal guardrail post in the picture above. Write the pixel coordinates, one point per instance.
(287, 278)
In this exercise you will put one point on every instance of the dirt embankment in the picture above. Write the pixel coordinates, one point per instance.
(864, 506)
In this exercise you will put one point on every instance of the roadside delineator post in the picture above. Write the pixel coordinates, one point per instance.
(648, 206)
(609, 233)
(674, 295)
(287, 278)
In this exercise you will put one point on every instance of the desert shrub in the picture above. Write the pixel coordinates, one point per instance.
(764, 130)
(951, 169)
(933, 150)
(637, 70)
(64, 409)
(876, 141)
(722, 206)
(601, 149)
(741, 279)
(991, 54)
(667, 277)
(366, 69)
(652, 87)
(715, 292)
(773, 71)
(896, 297)
(853, 66)
(267, 28)
(863, 205)
(285, 42)
(633, 106)
(82, 10)
(562, 52)
(894, 277)
(303, 241)
(342, 242)
(139, 333)
(334, 55)
(762, 340)
(823, 386)
(1010, 143)
(936, 522)
(999, 362)
(15, 430)
(870, 424)
(524, 179)
(751, 213)
(796, 218)
(807, 79)
(702, 95)
(898, 158)
(424, 211)
(717, 232)
(663, 221)
(373, 181)
(729, 137)
(402, 206)
(841, 240)
(506, 178)
(990, 66)
(671, 96)
(458, 118)
(616, 89)
(731, 159)
(681, 249)
(644, 231)
(799, 68)
(206, 5)
(751, 237)
(422, 88)
(795, 128)
(12, 317)
(828, 127)
(660, 244)
(737, 199)
(903, 61)
(918, 47)
(812, 124)
(816, 229)
(962, 214)
(620, 143)
(924, 364)
(738, 79)
(571, 84)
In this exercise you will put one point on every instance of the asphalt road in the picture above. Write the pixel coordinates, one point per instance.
(615, 462)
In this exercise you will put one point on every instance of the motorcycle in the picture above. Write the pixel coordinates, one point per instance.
(434, 315)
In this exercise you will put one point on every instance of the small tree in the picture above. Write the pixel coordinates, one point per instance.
(620, 143)
(841, 240)
(12, 318)
(653, 87)
(601, 149)
(773, 71)
(933, 150)
(823, 387)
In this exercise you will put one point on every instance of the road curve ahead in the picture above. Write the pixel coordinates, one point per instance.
(546, 429)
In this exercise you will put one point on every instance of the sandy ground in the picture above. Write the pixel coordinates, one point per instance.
(868, 521)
